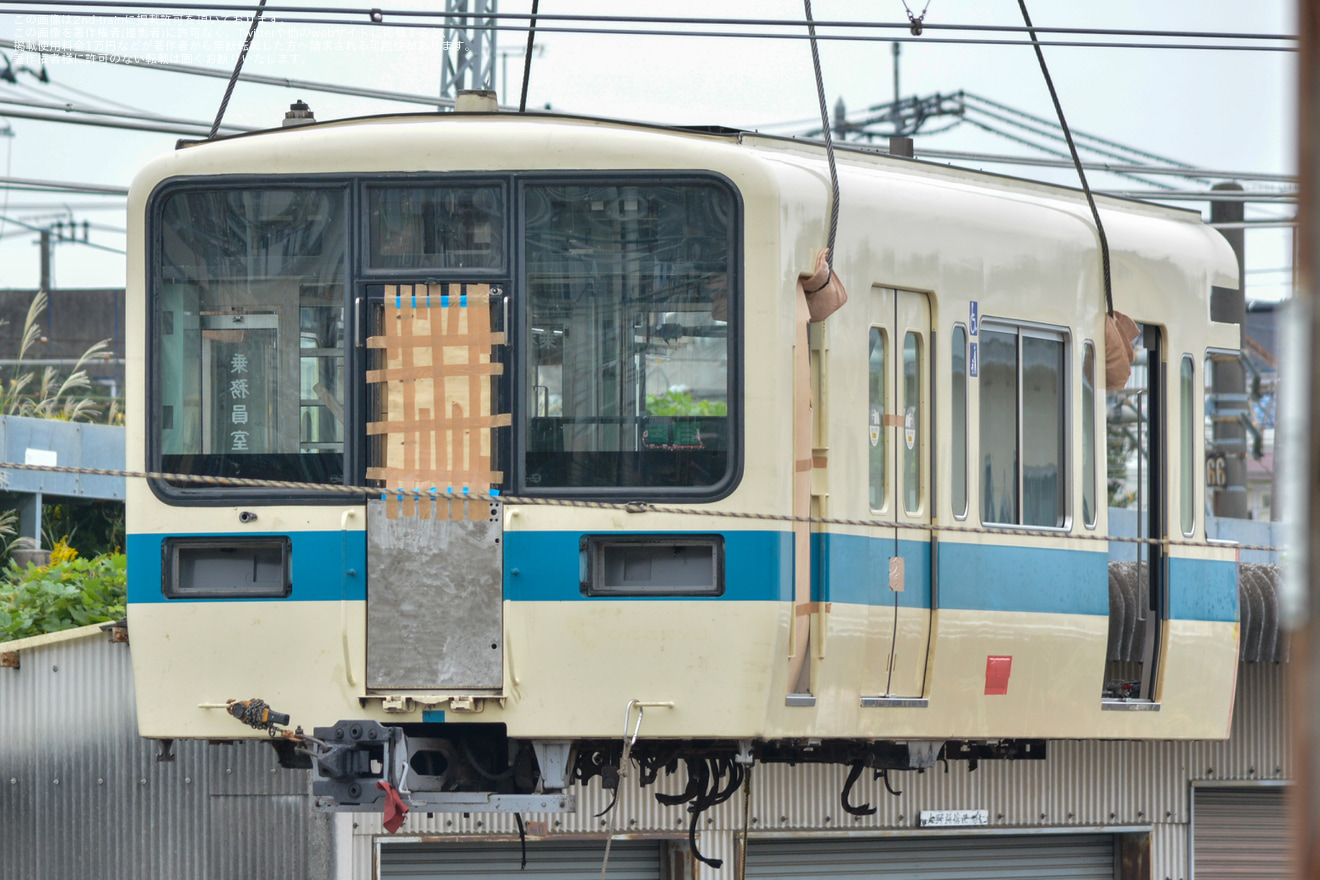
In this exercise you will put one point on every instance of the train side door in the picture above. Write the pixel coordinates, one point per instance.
(1137, 435)
(434, 554)
(899, 594)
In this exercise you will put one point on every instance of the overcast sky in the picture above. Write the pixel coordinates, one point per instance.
(1216, 109)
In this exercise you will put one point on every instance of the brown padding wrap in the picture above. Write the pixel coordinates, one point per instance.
(823, 289)
(436, 421)
(1120, 330)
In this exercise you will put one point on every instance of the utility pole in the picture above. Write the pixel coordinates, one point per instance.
(1229, 381)
(1301, 603)
(896, 48)
(47, 252)
(469, 46)
(537, 51)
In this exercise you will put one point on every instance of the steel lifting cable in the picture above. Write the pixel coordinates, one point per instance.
(364, 493)
(1077, 162)
(238, 68)
(527, 61)
(829, 143)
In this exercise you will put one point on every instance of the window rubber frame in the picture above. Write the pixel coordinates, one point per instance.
(716, 491)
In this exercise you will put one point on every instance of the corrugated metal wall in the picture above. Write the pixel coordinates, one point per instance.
(1084, 785)
(81, 795)
(1241, 833)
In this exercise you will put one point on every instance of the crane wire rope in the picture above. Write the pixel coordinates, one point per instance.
(527, 61)
(364, 493)
(1077, 162)
(238, 68)
(829, 142)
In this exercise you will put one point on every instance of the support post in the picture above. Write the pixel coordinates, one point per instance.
(29, 518)
(1302, 596)
(469, 46)
(47, 246)
(1229, 381)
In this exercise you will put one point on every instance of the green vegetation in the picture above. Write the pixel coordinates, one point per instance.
(25, 392)
(680, 403)
(68, 593)
(92, 528)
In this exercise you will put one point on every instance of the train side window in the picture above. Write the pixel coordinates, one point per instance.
(1088, 435)
(1023, 426)
(249, 344)
(1187, 446)
(876, 419)
(912, 360)
(958, 422)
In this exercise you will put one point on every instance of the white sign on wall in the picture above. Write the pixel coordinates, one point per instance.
(953, 818)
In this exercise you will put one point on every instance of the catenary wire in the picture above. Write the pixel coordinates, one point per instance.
(161, 128)
(114, 114)
(1042, 131)
(83, 94)
(279, 81)
(1080, 135)
(365, 13)
(90, 244)
(650, 32)
(31, 184)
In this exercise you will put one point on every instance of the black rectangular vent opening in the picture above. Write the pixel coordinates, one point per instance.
(652, 565)
(226, 568)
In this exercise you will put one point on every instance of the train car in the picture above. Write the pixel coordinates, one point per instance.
(480, 440)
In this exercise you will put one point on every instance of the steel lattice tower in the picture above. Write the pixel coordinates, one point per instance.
(469, 46)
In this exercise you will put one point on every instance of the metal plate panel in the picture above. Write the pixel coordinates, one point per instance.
(629, 860)
(949, 858)
(1240, 832)
(435, 592)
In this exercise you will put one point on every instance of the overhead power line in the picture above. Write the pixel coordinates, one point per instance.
(217, 73)
(114, 114)
(1204, 196)
(159, 128)
(755, 35)
(377, 16)
(1080, 135)
(27, 183)
(90, 244)
(1166, 171)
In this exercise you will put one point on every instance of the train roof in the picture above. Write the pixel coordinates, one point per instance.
(807, 147)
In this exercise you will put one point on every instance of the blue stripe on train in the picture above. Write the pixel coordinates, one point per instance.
(758, 567)
(994, 577)
(319, 565)
(847, 569)
(1203, 589)
(854, 570)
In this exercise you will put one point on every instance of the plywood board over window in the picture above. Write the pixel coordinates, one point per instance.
(435, 410)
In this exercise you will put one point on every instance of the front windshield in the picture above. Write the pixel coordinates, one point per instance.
(627, 381)
(250, 334)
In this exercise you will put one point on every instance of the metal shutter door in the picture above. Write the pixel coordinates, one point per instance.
(1239, 832)
(546, 860)
(989, 857)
